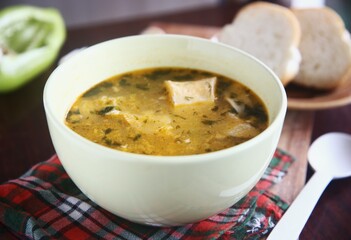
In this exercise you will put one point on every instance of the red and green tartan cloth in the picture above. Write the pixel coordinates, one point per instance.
(45, 204)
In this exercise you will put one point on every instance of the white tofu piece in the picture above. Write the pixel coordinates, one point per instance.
(191, 92)
(243, 130)
(146, 122)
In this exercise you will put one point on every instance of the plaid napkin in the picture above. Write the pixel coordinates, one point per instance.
(45, 204)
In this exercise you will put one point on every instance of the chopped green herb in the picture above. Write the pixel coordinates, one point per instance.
(257, 112)
(157, 74)
(124, 82)
(233, 95)
(233, 110)
(143, 86)
(92, 92)
(110, 142)
(188, 98)
(108, 130)
(205, 74)
(97, 89)
(105, 110)
(136, 137)
(71, 112)
(106, 84)
(215, 109)
(72, 116)
(222, 86)
(178, 116)
(208, 122)
(183, 77)
(74, 122)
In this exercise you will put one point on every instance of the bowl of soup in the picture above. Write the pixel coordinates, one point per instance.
(164, 130)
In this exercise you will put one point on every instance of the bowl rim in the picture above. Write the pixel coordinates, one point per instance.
(176, 159)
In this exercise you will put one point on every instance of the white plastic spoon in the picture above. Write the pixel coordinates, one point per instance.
(330, 156)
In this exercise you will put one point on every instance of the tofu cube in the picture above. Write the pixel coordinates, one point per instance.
(191, 92)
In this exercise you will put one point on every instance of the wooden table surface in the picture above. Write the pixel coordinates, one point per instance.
(25, 140)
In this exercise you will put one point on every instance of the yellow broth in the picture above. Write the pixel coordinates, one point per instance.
(133, 112)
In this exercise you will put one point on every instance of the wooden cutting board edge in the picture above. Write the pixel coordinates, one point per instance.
(295, 139)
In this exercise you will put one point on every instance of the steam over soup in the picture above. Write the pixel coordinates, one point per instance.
(168, 111)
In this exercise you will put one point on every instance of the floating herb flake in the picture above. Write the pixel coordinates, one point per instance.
(158, 74)
(136, 137)
(97, 89)
(208, 122)
(108, 130)
(215, 109)
(143, 87)
(105, 110)
(110, 142)
(178, 116)
(70, 113)
(124, 82)
(92, 92)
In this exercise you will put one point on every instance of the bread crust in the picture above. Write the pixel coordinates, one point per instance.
(278, 49)
(325, 48)
(280, 9)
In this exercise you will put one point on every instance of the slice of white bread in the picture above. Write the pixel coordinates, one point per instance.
(269, 32)
(325, 48)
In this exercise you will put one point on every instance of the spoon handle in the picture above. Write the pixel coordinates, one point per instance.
(295, 218)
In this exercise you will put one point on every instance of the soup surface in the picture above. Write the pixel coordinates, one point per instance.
(168, 111)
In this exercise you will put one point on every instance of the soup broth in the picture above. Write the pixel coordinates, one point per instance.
(168, 111)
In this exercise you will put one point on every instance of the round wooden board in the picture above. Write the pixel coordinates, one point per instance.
(300, 98)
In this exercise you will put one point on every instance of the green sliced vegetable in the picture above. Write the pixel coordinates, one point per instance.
(30, 40)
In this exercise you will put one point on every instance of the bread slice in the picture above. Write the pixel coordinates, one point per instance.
(325, 48)
(269, 32)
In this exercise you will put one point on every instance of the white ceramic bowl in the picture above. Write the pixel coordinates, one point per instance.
(162, 190)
